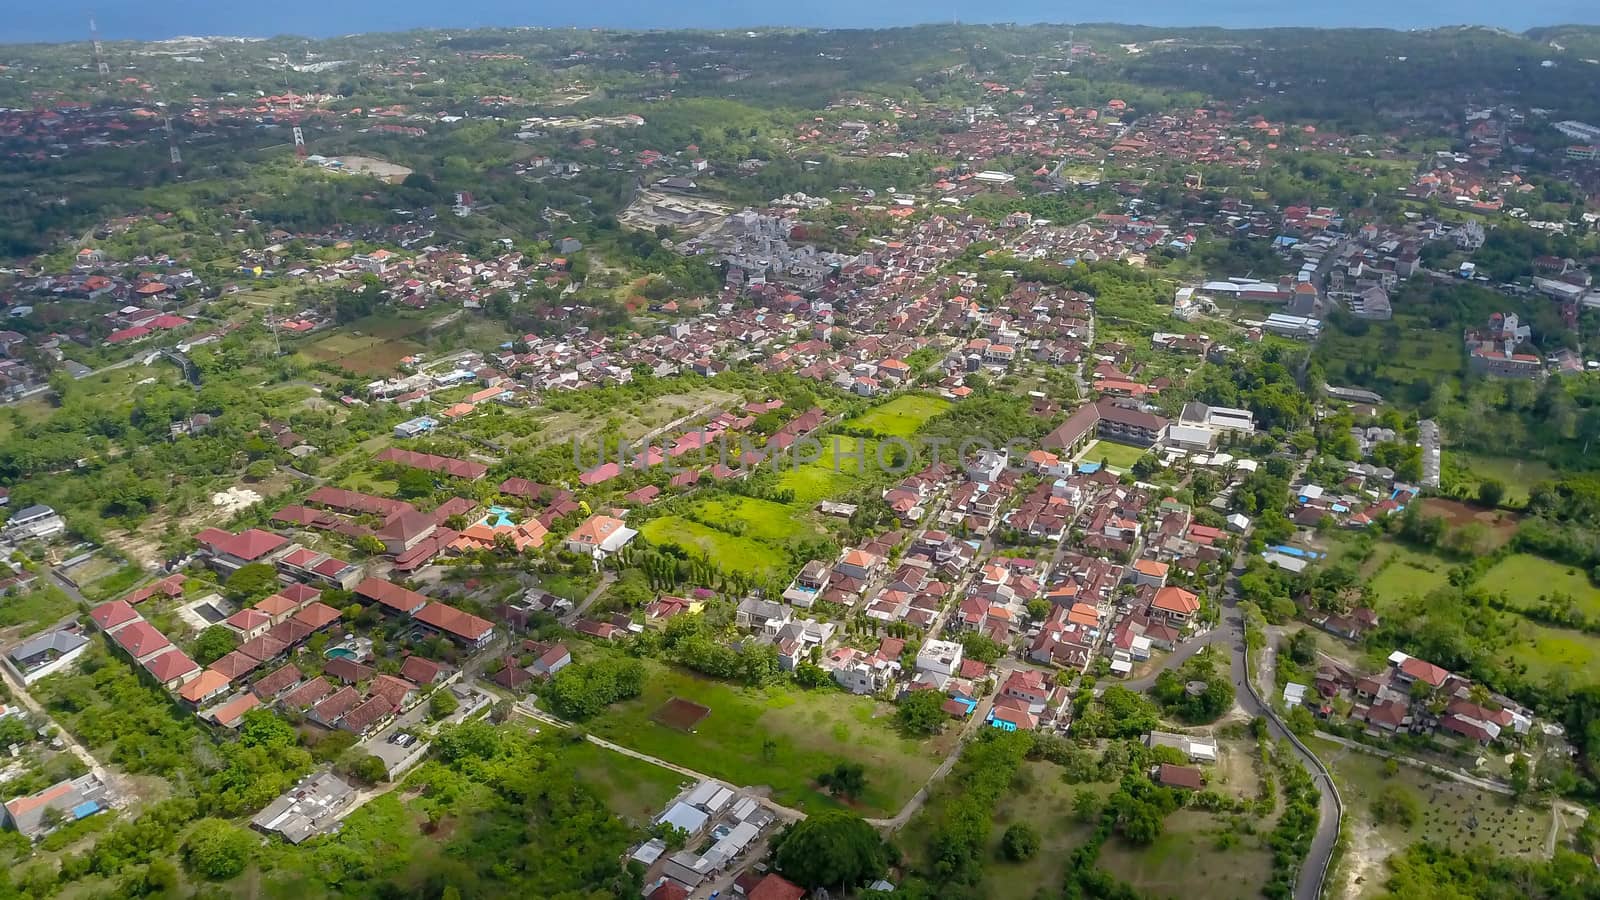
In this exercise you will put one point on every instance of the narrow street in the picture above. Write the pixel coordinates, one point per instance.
(105, 774)
(1313, 873)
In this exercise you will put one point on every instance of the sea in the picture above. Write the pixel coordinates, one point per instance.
(30, 21)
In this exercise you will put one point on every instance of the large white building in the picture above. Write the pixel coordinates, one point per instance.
(939, 657)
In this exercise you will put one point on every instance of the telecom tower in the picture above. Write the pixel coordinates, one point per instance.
(294, 107)
(172, 145)
(99, 52)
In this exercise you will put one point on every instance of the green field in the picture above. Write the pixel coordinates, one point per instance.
(779, 737)
(1518, 475)
(372, 346)
(729, 551)
(1045, 802)
(635, 790)
(751, 535)
(1120, 457)
(1550, 651)
(1185, 862)
(1408, 573)
(900, 417)
(844, 460)
(22, 616)
(1524, 579)
(1396, 353)
(764, 520)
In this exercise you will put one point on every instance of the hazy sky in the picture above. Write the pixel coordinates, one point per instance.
(151, 19)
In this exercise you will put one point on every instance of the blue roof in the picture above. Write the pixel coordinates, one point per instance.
(85, 809)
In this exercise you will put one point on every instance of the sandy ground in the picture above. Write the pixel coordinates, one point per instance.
(235, 500)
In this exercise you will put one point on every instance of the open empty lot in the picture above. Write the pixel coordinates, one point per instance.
(371, 346)
(779, 737)
(1454, 814)
(1401, 572)
(1525, 579)
(902, 416)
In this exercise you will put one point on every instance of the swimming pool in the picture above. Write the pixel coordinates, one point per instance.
(499, 516)
(340, 653)
(1287, 550)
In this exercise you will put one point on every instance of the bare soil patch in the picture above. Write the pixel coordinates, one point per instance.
(681, 714)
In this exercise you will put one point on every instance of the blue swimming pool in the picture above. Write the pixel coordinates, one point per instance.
(499, 516)
(1287, 550)
(340, 653)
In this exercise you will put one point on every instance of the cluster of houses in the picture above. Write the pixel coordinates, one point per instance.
(1414, 696)
(721, 826)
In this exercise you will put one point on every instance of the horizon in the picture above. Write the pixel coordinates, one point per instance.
(124, 20)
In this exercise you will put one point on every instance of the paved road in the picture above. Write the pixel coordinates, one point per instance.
(62, 581)
(1179, 656)
(968, 728)
(1487, 784)
(1314, 871)
(606, 578)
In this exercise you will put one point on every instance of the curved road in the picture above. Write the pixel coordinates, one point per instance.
(1312, 877)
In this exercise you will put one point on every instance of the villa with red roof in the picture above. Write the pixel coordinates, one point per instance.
(232, 552)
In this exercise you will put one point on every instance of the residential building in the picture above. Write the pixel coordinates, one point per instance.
(73, 799)
(47, 653)
(939, 657)
(35, 522)
(600, 536)
(307, 809)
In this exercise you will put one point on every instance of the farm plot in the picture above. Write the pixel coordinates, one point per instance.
(371, 346)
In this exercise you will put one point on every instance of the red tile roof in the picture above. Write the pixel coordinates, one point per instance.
(207, 683)
(276, 682)
(337, 704)
(171, 665)
(459, 468)
(140, 639)
(236, 665)
(317, 615)
(369, 713)
(776, 887)
(109, 615)
(248, 545)
(391, 596)
(228, 714)
(453, 621)
(1423, 670)
(308, 693)
(420, 670)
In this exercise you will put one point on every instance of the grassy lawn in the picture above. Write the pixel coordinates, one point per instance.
(22, 616)
(1118, 456)
(1185, 862)
(779, 737)
(902, 416)
(764, 520)
(1407, 573)
(1447, 807)
(729, 551)
(1555, 651)
(1525, 579)
(1518, 475)
(1046, 804)
(634, 790)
